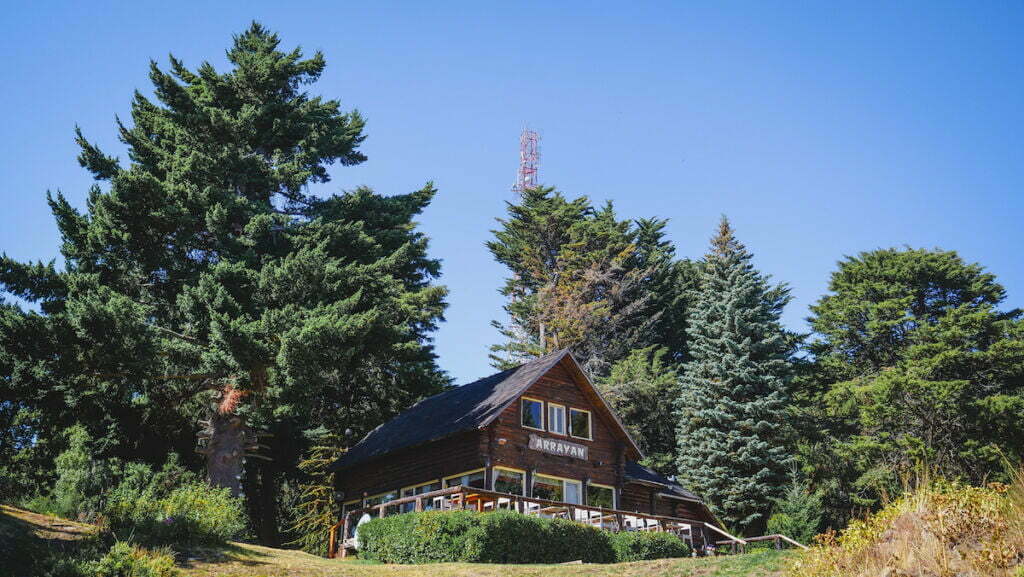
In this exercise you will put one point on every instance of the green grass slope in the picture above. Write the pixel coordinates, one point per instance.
(23, 529)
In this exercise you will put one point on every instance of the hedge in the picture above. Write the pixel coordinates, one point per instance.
(642, 546)
(504, 537)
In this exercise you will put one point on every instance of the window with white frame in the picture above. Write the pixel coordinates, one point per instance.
(556, 489)
(556, 418)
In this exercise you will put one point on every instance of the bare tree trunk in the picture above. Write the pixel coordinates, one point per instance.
(225, 441)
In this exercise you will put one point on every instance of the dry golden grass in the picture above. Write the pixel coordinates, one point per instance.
(939, 530)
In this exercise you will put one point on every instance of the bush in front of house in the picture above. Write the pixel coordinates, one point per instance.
(646, 545)
(193, 514)
(505, 537)
(508, 537)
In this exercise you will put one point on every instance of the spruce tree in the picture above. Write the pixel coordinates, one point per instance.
(732, 410)
(204, 281)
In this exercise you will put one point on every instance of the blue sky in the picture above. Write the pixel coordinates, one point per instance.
(821, 129)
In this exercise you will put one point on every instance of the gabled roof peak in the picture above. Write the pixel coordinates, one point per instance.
(460, 409)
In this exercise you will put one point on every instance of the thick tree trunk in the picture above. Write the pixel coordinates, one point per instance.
(227, 438)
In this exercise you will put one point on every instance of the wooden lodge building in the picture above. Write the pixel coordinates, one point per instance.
(538, 439)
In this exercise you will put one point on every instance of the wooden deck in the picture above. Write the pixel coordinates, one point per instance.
(461, 498)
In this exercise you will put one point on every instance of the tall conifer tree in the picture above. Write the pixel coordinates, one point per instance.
(732, 425)
(204, 277)
(581, 279)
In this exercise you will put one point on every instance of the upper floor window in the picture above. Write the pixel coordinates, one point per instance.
(579, 424)
(532, 413)
(556, 418)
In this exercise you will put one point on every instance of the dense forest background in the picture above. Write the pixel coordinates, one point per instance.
(210, 317)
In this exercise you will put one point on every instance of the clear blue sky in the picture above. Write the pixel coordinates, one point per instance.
(821, 129)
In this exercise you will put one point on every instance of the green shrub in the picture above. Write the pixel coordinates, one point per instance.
(499, 537)
(507, 537)
(798, 515)
(643, 546)
(427, 537)
(194, 514)
(124, 560)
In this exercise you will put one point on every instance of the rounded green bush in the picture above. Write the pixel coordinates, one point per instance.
(499, 537)
(644, 545)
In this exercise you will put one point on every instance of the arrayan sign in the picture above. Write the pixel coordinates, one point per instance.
(556, 447)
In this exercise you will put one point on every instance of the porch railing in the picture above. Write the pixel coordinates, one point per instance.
(470, 498)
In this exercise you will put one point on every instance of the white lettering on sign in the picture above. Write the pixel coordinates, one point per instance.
(557, 447)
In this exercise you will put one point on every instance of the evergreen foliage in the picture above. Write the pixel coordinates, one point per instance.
(203, 276)
(916, 367)
(733, 436)
(316, 506)
(798, 514)
(581, 279)
(641, 388)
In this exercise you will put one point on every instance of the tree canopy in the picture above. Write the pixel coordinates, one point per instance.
(202, 276)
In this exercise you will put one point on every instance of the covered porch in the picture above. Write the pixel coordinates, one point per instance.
(460, 498)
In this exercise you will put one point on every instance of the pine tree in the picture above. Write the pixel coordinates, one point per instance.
(732, 410)
(204, 277)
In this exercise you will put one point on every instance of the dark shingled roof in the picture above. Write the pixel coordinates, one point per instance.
(638, 472)
(454, 411)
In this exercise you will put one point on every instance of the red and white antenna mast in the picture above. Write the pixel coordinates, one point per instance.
(529, 159)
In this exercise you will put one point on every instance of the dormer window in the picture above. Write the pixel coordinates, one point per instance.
(532, 411)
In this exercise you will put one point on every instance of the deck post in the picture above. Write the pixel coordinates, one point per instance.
(419, 504)
(620, 522)
(344, 536)
(381, 511)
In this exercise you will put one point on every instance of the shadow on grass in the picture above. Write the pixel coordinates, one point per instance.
(28, 546)
(230, 553)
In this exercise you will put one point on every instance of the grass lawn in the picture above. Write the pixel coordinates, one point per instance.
(21, 528)
(241, 560)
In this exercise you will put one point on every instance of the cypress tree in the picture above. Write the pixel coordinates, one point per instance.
(732, 409)
(581, 279)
